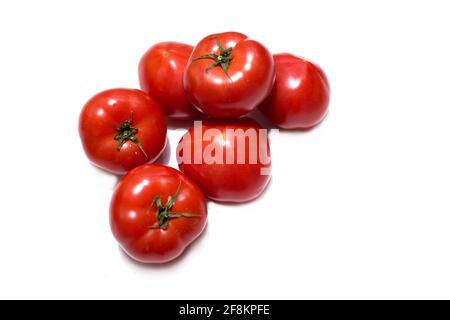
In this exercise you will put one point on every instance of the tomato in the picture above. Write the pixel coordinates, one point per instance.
(161, 76)
(121, 129)
(156, 212)
(300, 96)
(228, 75)
(230, 160)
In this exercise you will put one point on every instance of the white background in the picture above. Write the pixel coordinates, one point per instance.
(357, 208)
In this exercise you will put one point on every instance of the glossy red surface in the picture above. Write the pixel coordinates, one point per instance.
(97, 127)
(225, 181)
(161, 76)
(132, 213)
(300, 96)
(251, 76)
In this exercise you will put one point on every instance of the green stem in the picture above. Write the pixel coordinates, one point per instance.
(223, 59)
(127, 132)
(164, 214)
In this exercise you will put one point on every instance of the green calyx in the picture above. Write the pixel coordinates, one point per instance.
(222, 59)
(127, 132)
(164, 213)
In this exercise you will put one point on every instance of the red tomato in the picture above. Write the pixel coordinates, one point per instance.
(228, 75)
(300, 96)
(161, 76)
(228, 161)
(121, 129)
(156, 212)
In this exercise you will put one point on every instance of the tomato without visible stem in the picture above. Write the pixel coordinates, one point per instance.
(121, 129)
(300, 96)
(156, 212)
(228, 75)
(230, 160)
(161, 76)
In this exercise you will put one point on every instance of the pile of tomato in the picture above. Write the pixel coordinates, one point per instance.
(156, 211)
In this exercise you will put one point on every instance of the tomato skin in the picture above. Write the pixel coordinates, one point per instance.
(251, 71)
(300, 96)
(226, 182)
(97, 128)
(132, 213)
(161, 71)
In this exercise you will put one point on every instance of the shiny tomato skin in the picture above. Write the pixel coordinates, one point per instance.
(226, 182)
(161, 71)
(97, 128)
(132, 213)
(251, 76)
(300, 96)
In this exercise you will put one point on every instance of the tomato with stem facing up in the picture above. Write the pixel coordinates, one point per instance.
(156, 212)
(228, 75)
(121, 129)
(161, 71)
(300, 96)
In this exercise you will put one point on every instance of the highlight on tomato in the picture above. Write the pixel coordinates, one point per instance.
(121, 129)
(301, 94)
(161, 71)
(156, 212)
(228, 75)
(229, 160)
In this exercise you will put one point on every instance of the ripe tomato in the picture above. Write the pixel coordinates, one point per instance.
(228, 75)
(161, 76)
(230, 161)
(121, 129)
(300, 96)
(156, 212)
